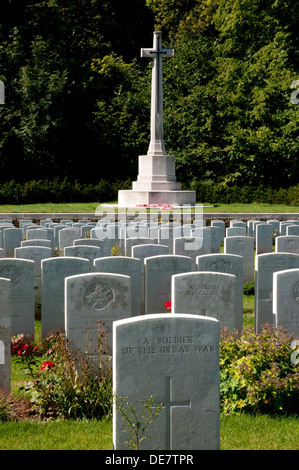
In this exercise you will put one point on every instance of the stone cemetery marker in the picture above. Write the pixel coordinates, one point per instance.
(36, 254)
(175, 359)
(220, 224)
(235, 231)
(265, 266)
(292, 230)
(84, 251)
(130, 242)
(287, 244)
(275, 224)
(209, 294)
(188, 246)
(230, 264)
(92, 303)
(21, 274)
(242, 246)
(128, 267)
(157, 280)
(1, 253)
(90, 242)
(67, 236)
(5, 335)
(145, 251)
(53, 272)
(286, 300)
(41, 234)
(12, 238)
(264, 238)
(37, 242)
(105, 235)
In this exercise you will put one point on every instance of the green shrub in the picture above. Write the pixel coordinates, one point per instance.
(248, 288)
(62, 389)
(257, 373)
(222, 193)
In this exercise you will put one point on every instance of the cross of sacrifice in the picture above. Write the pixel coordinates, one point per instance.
(2, 93)
(156, 146)
(169, 404)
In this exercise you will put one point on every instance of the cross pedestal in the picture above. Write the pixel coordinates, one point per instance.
(156, 182)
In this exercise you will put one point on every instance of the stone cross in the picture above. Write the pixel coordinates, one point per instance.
(156, 53)
(2, 93)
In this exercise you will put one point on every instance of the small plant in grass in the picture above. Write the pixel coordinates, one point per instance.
(138, 423)
(257, 373)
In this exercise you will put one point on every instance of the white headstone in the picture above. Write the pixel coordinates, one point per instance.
(264, 238)
(53, 272)
(130, 242)
(21, 274)
(92, 303)
(230, 264)
(189, 246)
(287, 244)
(36, 254)
(286, 300)
(157, 285)
(175, 359)
(67, 236)
(5, 335)
(12, 238)
(242, 246)
(209, 294)
(127, 266)
(84, 251)
(265, 265)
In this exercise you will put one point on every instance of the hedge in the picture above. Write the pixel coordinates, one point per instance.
(63, 191)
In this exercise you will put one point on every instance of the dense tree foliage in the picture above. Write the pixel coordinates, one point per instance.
(78, 94)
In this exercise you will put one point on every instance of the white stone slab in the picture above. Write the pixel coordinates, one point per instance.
(53, 273)
(175, 359)
(209, 294)
(5, 335)
(158, 272)
(21, 274)
(265, 265)
(92, 303)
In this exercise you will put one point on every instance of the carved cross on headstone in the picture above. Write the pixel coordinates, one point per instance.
(2, 93)
(169, 403)
(156, 53)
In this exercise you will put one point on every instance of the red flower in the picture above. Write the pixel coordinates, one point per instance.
(47, 365)
(168, 305)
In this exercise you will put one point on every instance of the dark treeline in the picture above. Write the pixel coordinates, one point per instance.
(78, 93)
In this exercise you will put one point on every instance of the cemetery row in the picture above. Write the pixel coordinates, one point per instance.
(85, 289)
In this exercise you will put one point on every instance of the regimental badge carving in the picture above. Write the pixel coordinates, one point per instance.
(98, 296)
(296, 292)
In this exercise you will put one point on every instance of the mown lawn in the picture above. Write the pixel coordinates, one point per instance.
(93, 206)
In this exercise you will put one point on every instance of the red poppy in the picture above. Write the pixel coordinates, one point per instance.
(168, 305)
(47, 365)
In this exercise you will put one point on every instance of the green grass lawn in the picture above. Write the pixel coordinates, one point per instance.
(237, 432)
(92, 207)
